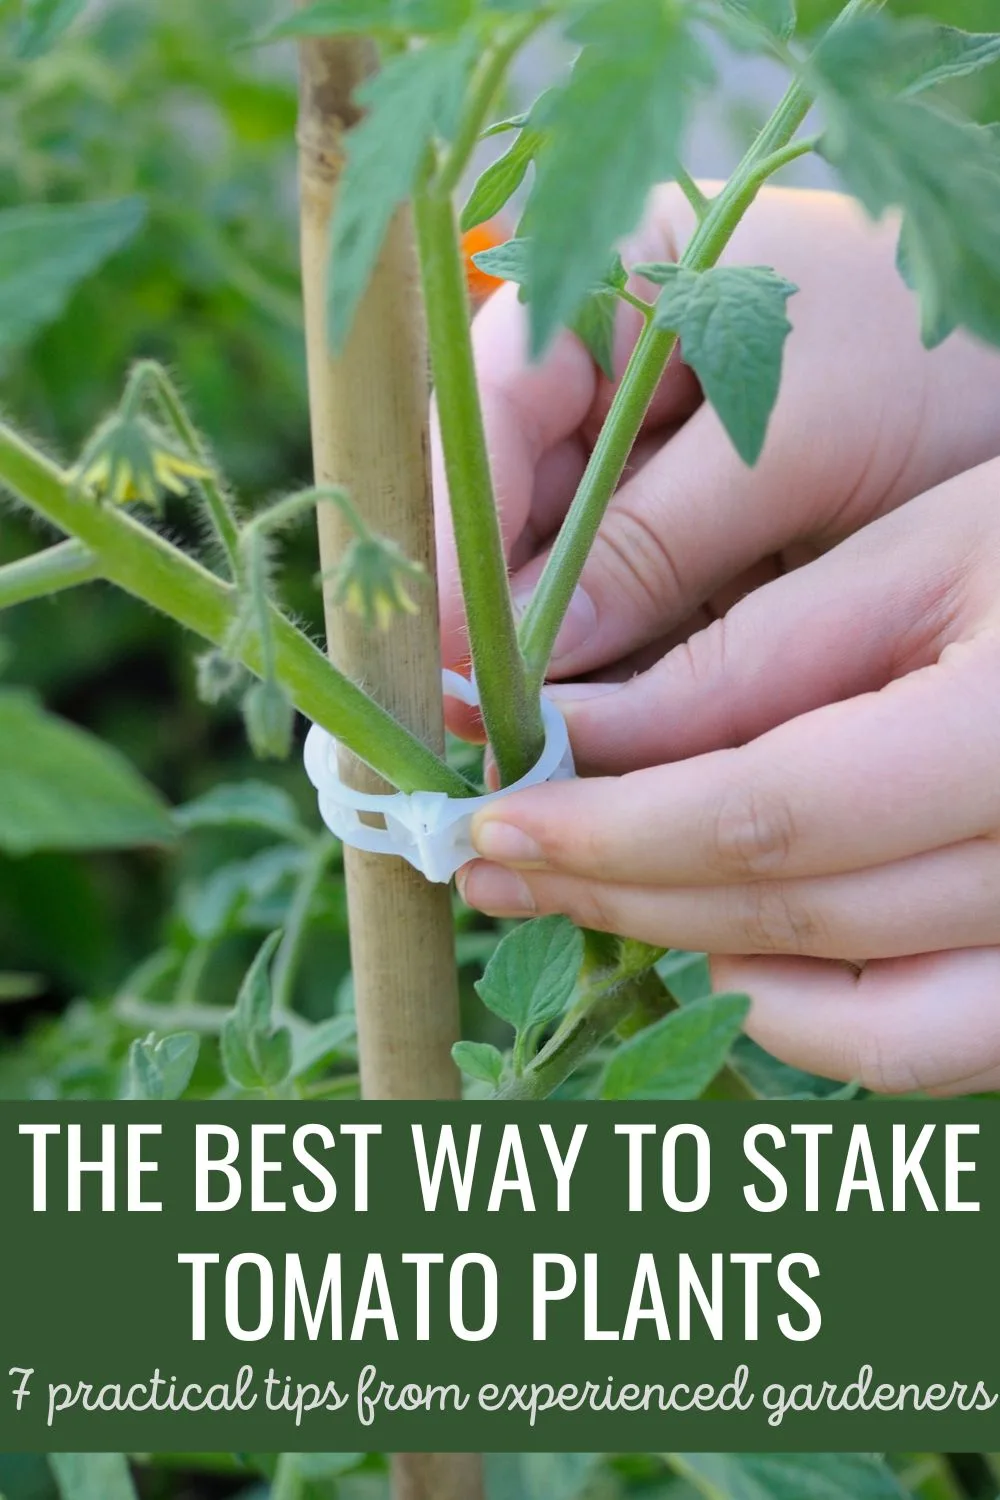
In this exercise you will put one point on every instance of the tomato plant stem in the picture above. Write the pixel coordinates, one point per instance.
(146, 565)
(511, 709)
(48, 572)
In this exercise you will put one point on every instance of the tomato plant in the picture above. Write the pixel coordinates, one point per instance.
(396, 96)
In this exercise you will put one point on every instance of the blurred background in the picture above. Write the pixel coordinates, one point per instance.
(158, 98)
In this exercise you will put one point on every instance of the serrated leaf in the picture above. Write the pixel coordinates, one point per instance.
(790, 1476)
(43, 23)
(479, 1060)
(501, 179)
(732, 324)
(594, 322)
(532, 975)
(243, 804)
(614, 130)
(678, 1057)
(508, 262)
(162, 1069)
(92, 1476)
(60, 788)
(942, 172)
(416, 95)
(756, 18)
(906, 56)
(45, 251)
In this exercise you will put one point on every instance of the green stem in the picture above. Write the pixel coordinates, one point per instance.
(608, 1002)
(692, 192)
(772, 150)
(47, 572)
(591, 1022)
(511, 711)
(147, 375)
(485, 87)
(146, 565)
(288, 957)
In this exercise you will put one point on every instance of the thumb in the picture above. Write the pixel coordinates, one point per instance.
(872, 609)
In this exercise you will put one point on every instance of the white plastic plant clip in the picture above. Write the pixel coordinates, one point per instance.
(428, 829)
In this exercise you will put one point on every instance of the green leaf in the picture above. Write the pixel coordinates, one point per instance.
(752, 18)
(508, 262)
(244, 804)
(255, 1054)
(942, 172)
(416, 95)
(678, 1057)
(687, 975)
(501, 179)
(480, 1061)
(92, 1476)
(340, 17)
(532, 975)
(905, 56)
(46, 250)
(61, 788)
(789, 1476)
(594, 322)
(614, 131)
(161, 1069)
(732, 324)
(43, 23)
(500, 127)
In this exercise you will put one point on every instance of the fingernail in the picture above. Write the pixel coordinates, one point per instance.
(504, 843)
(578, 625)
(496, 891)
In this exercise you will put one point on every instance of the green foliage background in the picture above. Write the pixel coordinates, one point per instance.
(156, 98)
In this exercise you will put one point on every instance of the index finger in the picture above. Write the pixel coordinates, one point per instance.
(848, 786)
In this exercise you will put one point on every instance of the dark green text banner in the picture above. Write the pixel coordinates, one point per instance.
(346, 1277)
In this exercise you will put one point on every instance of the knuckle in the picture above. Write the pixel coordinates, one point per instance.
(754, 830)
(774, 920)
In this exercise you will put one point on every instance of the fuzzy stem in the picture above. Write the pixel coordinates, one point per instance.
(511, 711)
(151, 377)
(143, 563)
(609, 1000)
(692, 192)
(48, 572)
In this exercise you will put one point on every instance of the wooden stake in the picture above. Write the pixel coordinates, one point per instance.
(369, 410)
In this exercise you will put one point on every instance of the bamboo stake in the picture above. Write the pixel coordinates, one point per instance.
(369, 410)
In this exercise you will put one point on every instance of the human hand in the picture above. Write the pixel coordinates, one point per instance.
(866, 420)
(856, 821)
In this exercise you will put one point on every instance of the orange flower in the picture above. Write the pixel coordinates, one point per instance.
(483, 237)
